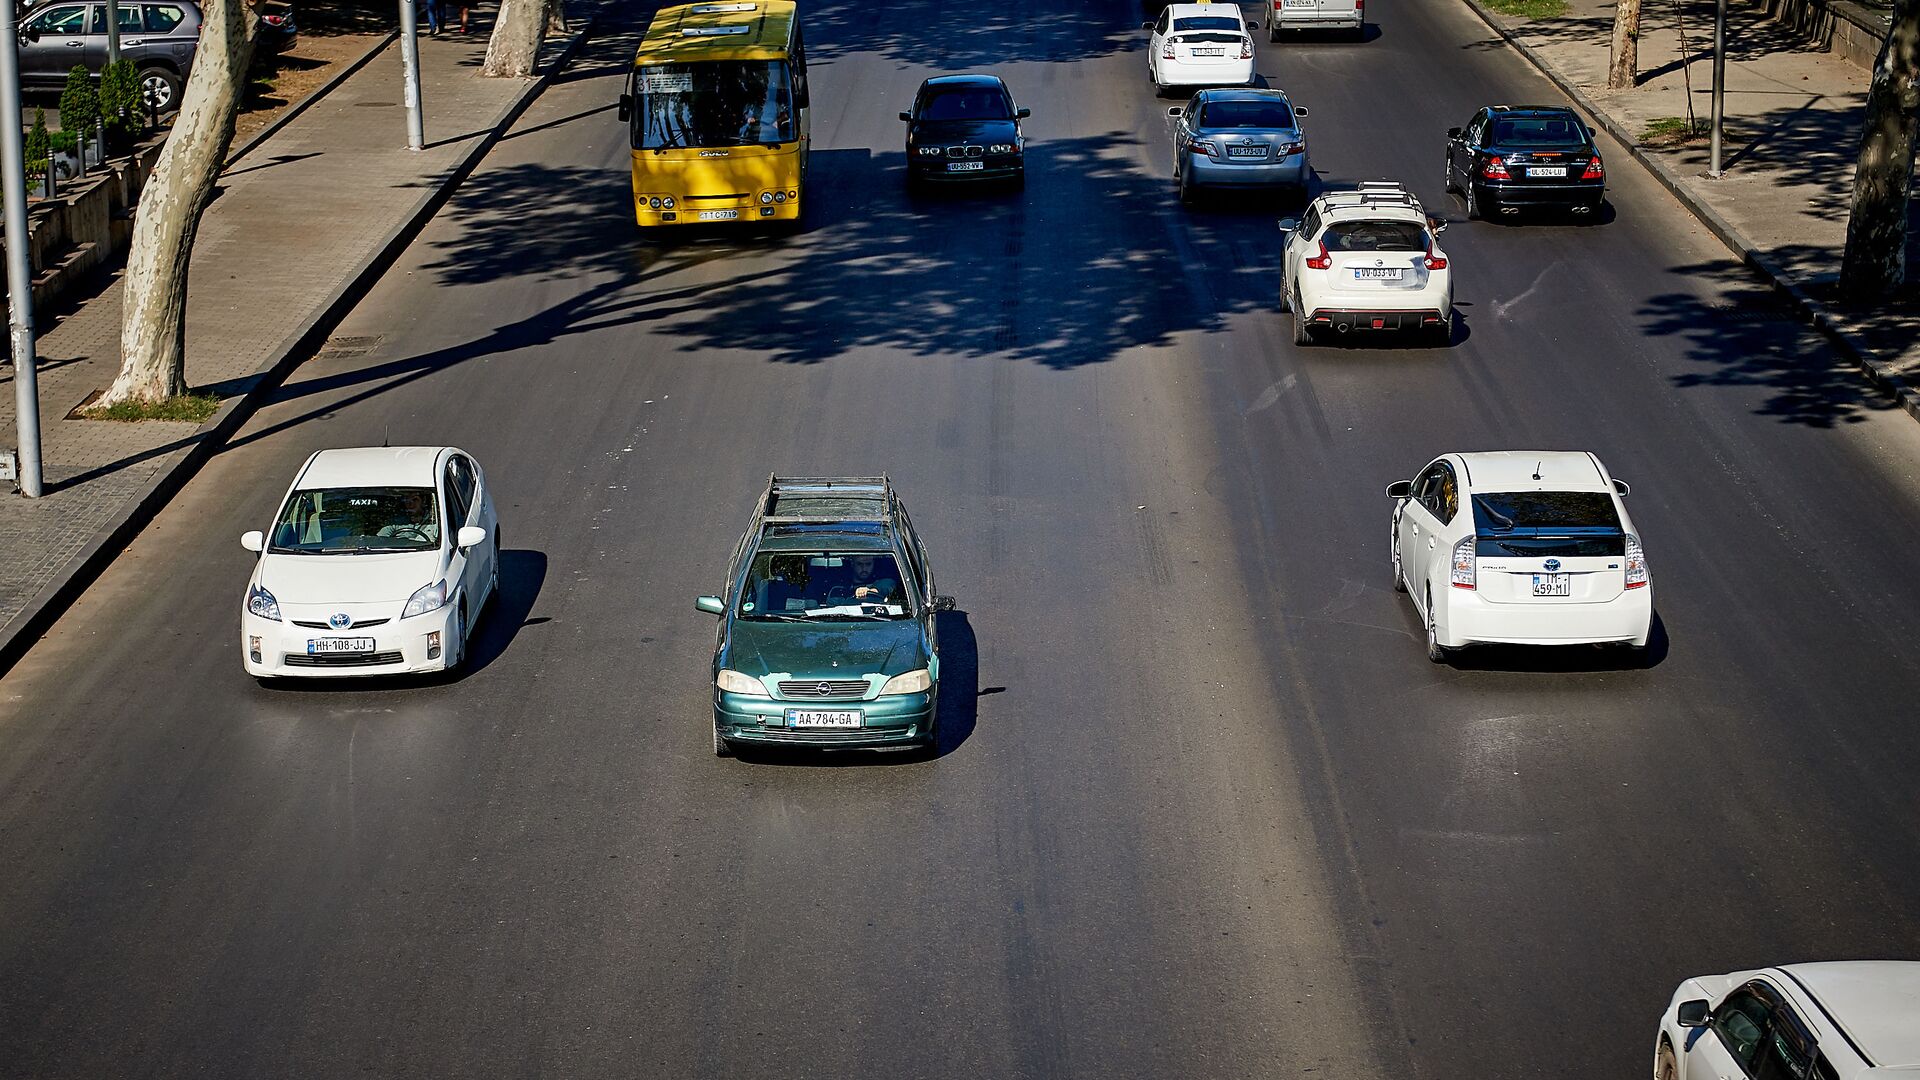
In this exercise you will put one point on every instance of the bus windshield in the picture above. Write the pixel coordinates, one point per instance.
(713, 104)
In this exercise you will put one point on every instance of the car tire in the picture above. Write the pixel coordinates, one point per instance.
(456, 646)
(1665, 1066)
(1302, 333)
(1473, 203)
(1360, 32)
(163, 86)
(1399, 572)
(1451, 186)
(1441, 337)
(721, 747)
(1273, 34)
(1436, 652)
(1019, 182)
(1286, 293)
(493, 577)
(1188, 193)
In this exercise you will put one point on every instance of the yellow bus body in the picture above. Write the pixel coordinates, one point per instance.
(723, 183)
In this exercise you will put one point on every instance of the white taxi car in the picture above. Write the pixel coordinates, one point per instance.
(377, 564)
(1520, 548)
(1195, 45)
(1366, 260)
(1843, 1020)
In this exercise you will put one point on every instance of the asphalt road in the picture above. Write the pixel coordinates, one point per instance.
(1203, 808)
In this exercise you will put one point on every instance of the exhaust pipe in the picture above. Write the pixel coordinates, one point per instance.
(1509, 209)
(1344, 327)
(1583, 209)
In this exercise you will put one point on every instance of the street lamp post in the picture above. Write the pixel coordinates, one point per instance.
(113, 31)
(13, 188)
(1719, 83)
(410, 63)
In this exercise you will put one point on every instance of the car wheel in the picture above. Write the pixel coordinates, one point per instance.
(1286, 293)
(1187, 191)
(456, 653)
(1441, 336)
(493, 576)
(1020, 180)
(721, 747)
(1473, 203)
(160, 88)
(1399, 575)
(1273, 33)
(1435, 651)
(1451, 186)
(1302, 333)
(1664, 1065)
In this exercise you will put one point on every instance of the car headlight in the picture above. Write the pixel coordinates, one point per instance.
(930, 151)
(912, 682)
(261, 602)
(1000, 148)
(431, 598)
(734, 682)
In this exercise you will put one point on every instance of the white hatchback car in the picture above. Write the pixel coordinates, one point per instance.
(1520, 548)
(1365, 260)
(377, 564)
(1198, 45)
(1844, 1020)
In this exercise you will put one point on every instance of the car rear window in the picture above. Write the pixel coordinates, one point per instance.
(1206, 22)
(1246, 114)
(974, 103)
(1375, 236)
(1541, 523)
(1538, 131)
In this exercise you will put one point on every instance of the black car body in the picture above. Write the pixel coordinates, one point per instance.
(965, 128)
(1514, 157)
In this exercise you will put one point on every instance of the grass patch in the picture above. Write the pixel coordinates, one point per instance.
(186, 408)
(1529, 9)
(1669, 132)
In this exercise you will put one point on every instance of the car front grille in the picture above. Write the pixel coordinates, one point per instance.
(823, 689)
(363, 623)
(966, 151)
(343, 659)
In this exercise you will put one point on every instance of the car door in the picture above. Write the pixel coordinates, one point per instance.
(133, 32)
(1729, 1047)
(1416, 529)
(462, 566)
(52, 42)
(473, 489)
(1156, 41)
(1292, 251)
(922, 574)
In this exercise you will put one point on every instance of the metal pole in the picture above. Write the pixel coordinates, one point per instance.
(113, 30)
(410, 61)
(1719, 82)
(13, 188)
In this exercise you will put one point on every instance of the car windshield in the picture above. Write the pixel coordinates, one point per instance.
(966, 103)
(1246, 114)
(1375, 236)
(712, 104)
(1554, 511)
(361, 520)
(794, 586)
(1206, 22)
(1538, 131)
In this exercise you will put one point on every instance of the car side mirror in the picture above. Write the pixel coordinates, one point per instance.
(626, 107)
(1288, 224)
(1453, 134)
(1175, 110)
(1400, 489)
(470, 536)
(940, 603)
(1437, 226)
(1300, 110)
(1693, 1014)
(1623, 487)
(906, 116)
(709, 604)
(29, 35)
(254, 541)
(1022, 114)
(1146, 26)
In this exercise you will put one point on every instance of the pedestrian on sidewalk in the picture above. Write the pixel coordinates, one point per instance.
(433, 17)
(463, 18)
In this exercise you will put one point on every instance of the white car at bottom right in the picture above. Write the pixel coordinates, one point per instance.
(1520, 547)
(1842, 1020)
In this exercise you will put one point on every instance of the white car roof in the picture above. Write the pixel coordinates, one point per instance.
(1372, 200)
(1514, 470)
(1188, 11)
(1876, 1001)
(372, 466)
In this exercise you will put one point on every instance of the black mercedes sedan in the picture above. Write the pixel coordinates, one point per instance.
(965, 127)
(1514, 157)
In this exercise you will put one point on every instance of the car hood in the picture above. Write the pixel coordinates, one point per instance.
(811, 650)
(965, 131)
(347, 579)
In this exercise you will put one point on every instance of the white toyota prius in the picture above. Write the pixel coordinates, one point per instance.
(378, 563)
(1520, 547)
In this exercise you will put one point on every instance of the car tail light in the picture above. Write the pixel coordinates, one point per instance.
(1636, 563)
(1246, 49)
(1204, 147)
(1359, 7)
(1495, 169)
(1463, 565)
(1322, 261)
(1594, 171)
(1287, 149)
(1168, 53)
(1435, 262)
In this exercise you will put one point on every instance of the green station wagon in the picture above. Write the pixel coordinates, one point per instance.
(826, 634)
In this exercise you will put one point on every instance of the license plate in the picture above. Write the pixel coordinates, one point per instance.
(1553, 584)
(1377, 273)
(1246, 151)
(823, 718)
(1299, 3)
(965, 166)
(1547, 170)
(320, 646)
(719, 215)
(1209, 52)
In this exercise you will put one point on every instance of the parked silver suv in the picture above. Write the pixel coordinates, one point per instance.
(159, 37)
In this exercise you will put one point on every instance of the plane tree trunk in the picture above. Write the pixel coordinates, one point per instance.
(518, 33)
(153, 318)
(1875, 263)
(1623, 65)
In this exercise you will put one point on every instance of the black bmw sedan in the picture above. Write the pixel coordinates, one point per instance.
(1512, 157)
(965, 127)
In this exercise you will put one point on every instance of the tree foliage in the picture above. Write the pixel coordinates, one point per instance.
(120, 102)
(39, 142)
(79, 103)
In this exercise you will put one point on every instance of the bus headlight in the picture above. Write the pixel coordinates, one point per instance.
(780, 196)
(655, 203)
(766, 197)
(667, 202)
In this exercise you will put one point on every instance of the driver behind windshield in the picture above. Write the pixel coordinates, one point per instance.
(798, 586)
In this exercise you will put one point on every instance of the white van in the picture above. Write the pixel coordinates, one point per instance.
(1318, 15)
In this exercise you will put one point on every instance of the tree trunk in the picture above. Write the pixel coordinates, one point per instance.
(1623, 68)
(557, 17)
(518, 33)
(153, 317)
(1876, 258)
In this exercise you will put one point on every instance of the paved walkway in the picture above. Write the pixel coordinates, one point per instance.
(297, 222)
(1793, 129)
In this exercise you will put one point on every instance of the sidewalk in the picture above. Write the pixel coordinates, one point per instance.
(302, 225)
(1793, 123)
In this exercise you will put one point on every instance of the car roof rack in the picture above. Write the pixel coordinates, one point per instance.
(823, 500)
(1369, 194)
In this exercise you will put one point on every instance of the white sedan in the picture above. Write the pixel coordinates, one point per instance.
(1197, 45)
(377, 564)
(1521, 548)
(1366, 260)
(1843, 1020)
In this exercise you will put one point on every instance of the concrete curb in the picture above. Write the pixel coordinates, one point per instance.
(1900, 388)
(319, 92)
(39, 614)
